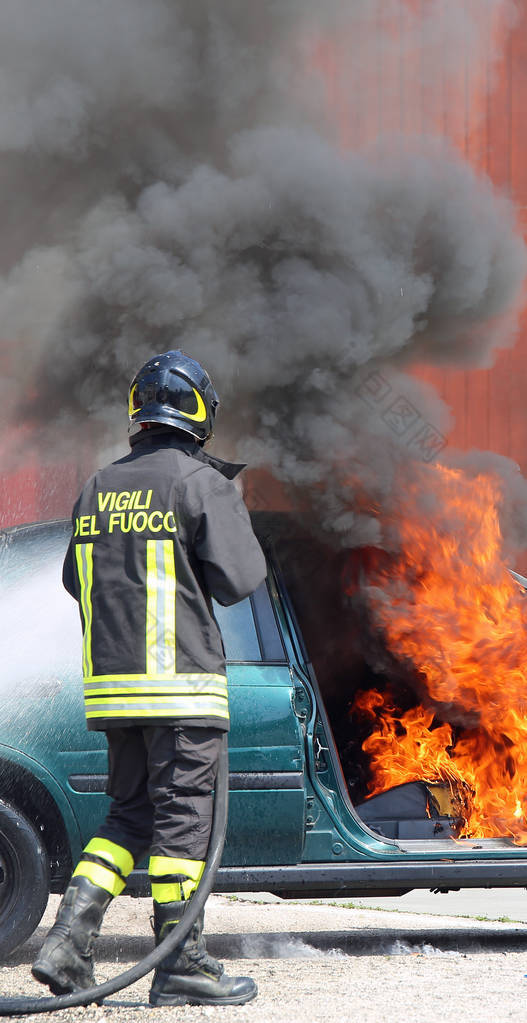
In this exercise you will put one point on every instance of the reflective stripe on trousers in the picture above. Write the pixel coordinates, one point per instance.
(106, 864)
(174, 879)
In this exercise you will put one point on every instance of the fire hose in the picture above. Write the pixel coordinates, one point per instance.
(27, 1006)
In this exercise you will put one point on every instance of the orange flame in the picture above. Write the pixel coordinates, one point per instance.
(448, 607)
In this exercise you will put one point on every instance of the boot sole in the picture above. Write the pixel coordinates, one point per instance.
(44, 973)
(161, 999)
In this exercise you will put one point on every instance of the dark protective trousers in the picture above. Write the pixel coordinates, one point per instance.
(161, 779)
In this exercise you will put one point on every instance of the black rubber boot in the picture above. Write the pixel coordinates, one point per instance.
(189, 975)
(65, 961)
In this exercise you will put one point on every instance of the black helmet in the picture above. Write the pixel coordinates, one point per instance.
(174, 390)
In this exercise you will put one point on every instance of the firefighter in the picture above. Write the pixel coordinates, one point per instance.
(155, 536)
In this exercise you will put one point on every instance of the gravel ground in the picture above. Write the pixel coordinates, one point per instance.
(320, 962)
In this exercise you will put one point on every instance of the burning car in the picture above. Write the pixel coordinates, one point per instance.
(302, 820)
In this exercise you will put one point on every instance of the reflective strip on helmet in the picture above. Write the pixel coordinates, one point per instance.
(116, 855)
(84, 562)
(200, 415)
(131, 407)
(160, 608)
(101, 876)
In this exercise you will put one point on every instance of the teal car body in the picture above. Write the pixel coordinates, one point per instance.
(292, 829)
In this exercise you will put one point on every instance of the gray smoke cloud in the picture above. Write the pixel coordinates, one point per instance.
(171, 175)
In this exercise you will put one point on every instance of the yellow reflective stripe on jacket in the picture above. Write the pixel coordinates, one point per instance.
(186, 695)
(157, 701)
(169, 648)
(84, 560)
(160, 607)
(175, 686)
(113, 853)
(151, 607)
(186, 707)
(159, 691)
(192, 677)
(165, 690)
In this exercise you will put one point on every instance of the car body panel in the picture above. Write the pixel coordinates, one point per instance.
(290, 815)
(35, 768)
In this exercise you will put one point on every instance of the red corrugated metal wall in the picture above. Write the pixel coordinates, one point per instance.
(481, 106)
(490, 406)
(31, 489)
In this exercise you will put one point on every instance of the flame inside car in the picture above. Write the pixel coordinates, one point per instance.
(455, 622)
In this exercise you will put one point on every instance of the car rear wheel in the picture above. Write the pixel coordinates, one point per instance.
(24, 881)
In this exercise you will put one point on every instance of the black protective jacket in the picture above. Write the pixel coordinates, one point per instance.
(155, 535)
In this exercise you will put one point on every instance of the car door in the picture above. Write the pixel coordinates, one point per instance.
(266, 747)
(43, 717)
(266, 751)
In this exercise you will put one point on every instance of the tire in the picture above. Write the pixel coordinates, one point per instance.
(24, 886)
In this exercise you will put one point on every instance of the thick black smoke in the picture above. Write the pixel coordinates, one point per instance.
(172, 176)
